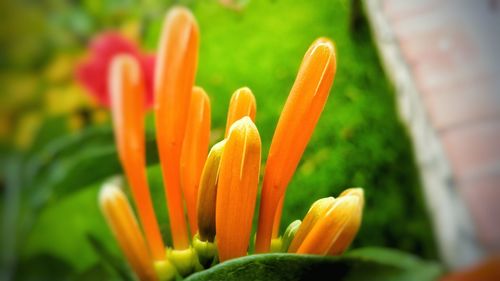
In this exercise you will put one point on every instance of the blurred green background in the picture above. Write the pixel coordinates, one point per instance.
(56, 144)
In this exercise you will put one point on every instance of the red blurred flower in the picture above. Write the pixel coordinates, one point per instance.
(93, 73)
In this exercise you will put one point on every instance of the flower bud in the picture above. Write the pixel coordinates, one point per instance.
(295, 127)
(242, 104)
(315, 213)
(351, 228)
(174, 78)
(127, 108)
(207, 193)
(194, 152)
(237, 189)
(121, 220)
(326, 231)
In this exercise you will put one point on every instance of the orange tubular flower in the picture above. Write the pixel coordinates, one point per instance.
(346, 236)
(125, 228)
(326, 232)
(295, 126)
(127, 104)
(315, 213)
(175, 73)
(194, 151)
(237, 189)
(242, 104)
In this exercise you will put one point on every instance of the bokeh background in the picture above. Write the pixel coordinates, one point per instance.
(57, 147)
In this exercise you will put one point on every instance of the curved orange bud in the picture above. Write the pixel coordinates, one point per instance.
(327, 230)
(175, 72)
(295, 126)
(242, 104)
(237, 189)
(194, 151)
(125, 228)
(351, 229)
(127, 108)
(315, 213)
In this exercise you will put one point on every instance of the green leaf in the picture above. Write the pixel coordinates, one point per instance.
(364, 264)
(72, 162)
(114, 262)
(44, 267)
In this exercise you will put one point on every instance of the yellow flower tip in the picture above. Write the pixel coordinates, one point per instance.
(316, 212)
(194, 151)
(353, 224)
(242, 104)
(174, 78)
(121, 220)
(207, 193)
(334, 224)
(295, 127)
(355, 191)
(237, 189)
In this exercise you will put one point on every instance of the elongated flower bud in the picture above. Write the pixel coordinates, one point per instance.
(295, 126)
(237, 189)
(351, 228)
(207, 194)
(175, 72)
(127, 108)
(194, 151)
(330, 227)
(315, 213)
(242, 104)
(121, 220)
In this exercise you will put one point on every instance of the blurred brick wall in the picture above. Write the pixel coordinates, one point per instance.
(443, 57)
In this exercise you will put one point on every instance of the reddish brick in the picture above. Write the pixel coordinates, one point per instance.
(482, 194)
(403, 10)
(424, 23)
(400, 10)
(471, 83)
(472, 148)
(463, 106)
(443, 72)
(431, 44)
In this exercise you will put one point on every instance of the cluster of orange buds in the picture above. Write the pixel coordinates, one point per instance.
(219, 190)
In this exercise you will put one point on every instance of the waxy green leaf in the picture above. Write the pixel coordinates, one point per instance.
(357, 265)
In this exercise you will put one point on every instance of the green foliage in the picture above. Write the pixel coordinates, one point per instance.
(359, 141)
(363, 264)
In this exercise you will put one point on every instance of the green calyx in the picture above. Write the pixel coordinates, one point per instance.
(165, 270)
(276, 245)
(185, 261)
(206, 250)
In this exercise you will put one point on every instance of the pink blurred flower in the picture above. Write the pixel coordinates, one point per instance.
(93, 73)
